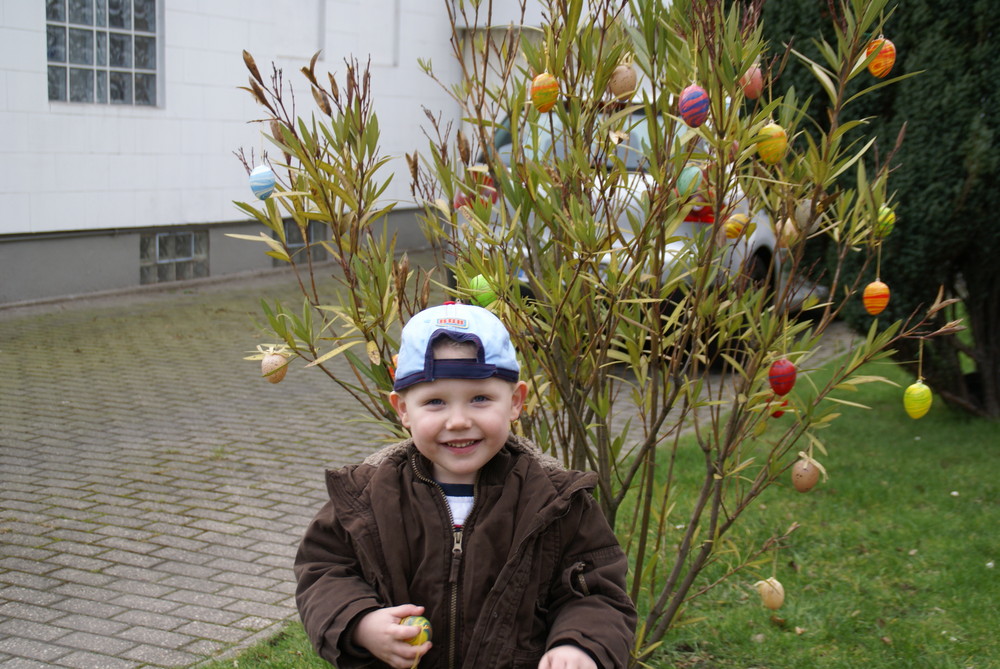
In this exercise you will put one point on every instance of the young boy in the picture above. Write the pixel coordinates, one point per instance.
(504, 551)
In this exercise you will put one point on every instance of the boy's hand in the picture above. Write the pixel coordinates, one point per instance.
(383, 636)
(566, 657)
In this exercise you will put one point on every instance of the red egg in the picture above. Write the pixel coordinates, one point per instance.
(875, 297)
(693, 105)
(782, 376)
(780, 410)
(752, 82)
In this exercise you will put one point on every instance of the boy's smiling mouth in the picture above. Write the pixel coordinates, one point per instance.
(460, 444)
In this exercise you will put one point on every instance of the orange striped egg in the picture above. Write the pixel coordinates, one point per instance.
(886, 58)
(544, 92)
(917, 400)
(875, 297)
(772, 143)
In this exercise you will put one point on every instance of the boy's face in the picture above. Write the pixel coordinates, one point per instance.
(460, 424)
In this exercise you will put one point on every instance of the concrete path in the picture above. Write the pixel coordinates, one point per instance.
(153, 487)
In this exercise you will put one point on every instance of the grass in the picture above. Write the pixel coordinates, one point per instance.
(892, 564)
(891, 567)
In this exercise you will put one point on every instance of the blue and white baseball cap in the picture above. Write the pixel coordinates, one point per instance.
(460, 322)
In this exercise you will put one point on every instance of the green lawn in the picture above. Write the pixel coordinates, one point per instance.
(892, 566)
(893, 563)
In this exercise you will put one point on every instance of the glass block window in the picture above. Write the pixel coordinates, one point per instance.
(173, 256)
(102, 51)
(297, 245)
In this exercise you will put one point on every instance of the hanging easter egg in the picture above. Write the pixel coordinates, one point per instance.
(788, 232)
(544, 92)
(875, 297)
(425, 629)
(689, 181)
(262, 181)
(804, 217)
(917, 400)
(482, 294)
(772, 593)
(886, 58)
(623, 82)
(693, 105)
(886, 221)
(772, 143)
(782, 376)
(735, 225)
(752, 82)
(805, 474)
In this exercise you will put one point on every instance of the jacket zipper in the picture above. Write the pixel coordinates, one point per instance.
(456, 560)
(456, 557)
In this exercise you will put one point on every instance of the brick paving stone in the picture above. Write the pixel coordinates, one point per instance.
(94, 660)
(31, 650)
(139, 603)
(82, 577)
(92, 625)
(30, 630)
(95, 643)
(8, 662)
(213, 632)
(161, 657)
(22, 611)
(156, 637)
(92, 608)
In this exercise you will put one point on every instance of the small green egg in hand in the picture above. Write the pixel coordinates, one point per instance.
(423, 624)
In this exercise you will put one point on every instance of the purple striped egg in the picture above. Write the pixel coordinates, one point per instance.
(693, 105)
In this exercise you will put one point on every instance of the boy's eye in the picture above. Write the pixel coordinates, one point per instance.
(434, 402)
(480, 398)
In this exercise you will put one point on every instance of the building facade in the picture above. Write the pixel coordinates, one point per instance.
(121, 120)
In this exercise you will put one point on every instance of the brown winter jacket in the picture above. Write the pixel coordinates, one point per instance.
(535, 566)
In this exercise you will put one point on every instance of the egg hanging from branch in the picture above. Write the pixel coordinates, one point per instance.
(782, 376)
(693, 105)
(544, 92)
(885, 222)
(772, 143)
(917, 400)
(752, 82)
(885, 58)
(623, 82)
(875, 297)
(262, 181)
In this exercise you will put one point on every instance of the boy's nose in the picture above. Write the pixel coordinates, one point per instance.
(457, 420)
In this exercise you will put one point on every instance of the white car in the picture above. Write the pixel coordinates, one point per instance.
(750, 251)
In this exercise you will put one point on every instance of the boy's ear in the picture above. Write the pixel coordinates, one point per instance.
(398, 403)
(517, 399)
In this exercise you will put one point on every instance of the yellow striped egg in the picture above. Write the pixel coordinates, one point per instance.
(735, 225)
(772, 143)
(917, 400)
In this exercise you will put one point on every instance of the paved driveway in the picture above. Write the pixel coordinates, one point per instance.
(153, 487)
